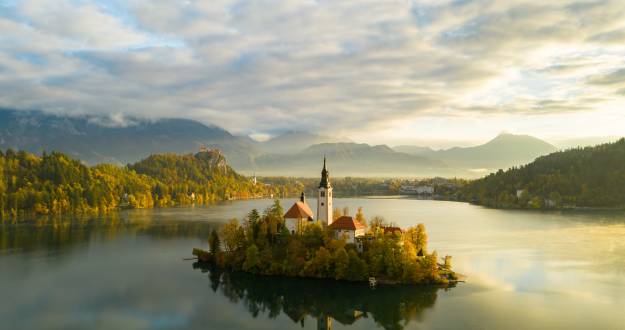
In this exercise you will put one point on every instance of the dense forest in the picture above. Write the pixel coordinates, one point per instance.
(55, 184)
(582, 177)
(261, 244)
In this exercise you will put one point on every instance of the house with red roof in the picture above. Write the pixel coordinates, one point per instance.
(349, 228)
(298, 216)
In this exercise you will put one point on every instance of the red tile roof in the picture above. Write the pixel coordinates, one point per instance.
(299, 210)
(346, 223)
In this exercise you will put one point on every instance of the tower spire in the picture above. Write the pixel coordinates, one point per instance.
(324, 197)
(325, 176)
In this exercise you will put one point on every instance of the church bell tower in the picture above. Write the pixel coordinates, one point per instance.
(324, 197)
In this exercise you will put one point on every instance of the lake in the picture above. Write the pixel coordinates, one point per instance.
(526, 270)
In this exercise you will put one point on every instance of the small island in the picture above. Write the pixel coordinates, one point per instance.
(332, 245)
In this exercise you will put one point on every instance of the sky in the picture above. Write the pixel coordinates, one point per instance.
(376, 71)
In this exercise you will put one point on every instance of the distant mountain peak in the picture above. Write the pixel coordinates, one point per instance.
(518, 138)
(508, 135)
(296, 141)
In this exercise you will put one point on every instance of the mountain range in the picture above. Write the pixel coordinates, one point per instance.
(295, 141)
(98, 140)
(95, 140)
(351, 159)
(501, 152)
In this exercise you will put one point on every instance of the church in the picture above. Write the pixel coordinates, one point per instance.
(300, 214)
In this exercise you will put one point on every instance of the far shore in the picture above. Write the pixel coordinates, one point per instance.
(213, 203)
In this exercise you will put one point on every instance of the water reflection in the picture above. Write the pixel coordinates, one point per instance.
(527, 270)
(56, 234)
(390, 307)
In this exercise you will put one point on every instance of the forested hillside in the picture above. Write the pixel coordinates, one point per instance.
(588, 177)
(205, 175)
(56, 184)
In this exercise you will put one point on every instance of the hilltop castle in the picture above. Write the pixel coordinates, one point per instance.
(300, 214)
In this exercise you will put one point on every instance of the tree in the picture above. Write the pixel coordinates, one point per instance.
(346, 211)
(253, 217)
(392, 257)
(412, 272)
(376, 223)
(431, 267)
(447, 262)
(273, 216)
(524, 199)
(535, 203)
(321, 264)
(360, 216)
(356, 268)
(261, 236)
(418, 237)
(272, 227)
(275, 211)
(313, 236)
(231, 233)
(252, 258)
(214, 243)
(337, 213)
(556, 198)
(295, 257)
(341, 262)
(334, 244)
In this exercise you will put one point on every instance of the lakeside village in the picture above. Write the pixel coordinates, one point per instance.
(334, 246)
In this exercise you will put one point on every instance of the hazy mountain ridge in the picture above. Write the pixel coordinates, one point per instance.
(413, 150)
(350, 159)
(296, 141)
(504, 151)
(87, 139)
(98, 140)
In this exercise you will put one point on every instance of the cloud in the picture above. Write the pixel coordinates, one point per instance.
(615, 36)
(264, 66)
(613, 78)
(84, 24)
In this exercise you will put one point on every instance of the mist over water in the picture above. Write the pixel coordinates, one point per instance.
(526, 270)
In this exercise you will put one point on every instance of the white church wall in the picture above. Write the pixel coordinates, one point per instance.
(324, 206)
(291, 225)
(348, 234)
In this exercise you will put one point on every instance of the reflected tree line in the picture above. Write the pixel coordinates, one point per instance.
(51, 233)
(327, 301)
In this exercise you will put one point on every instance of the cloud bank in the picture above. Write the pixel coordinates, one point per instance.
(257, 67)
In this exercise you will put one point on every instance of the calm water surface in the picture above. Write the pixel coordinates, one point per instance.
(526, 270)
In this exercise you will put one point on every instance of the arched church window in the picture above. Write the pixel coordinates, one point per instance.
(323, 194)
